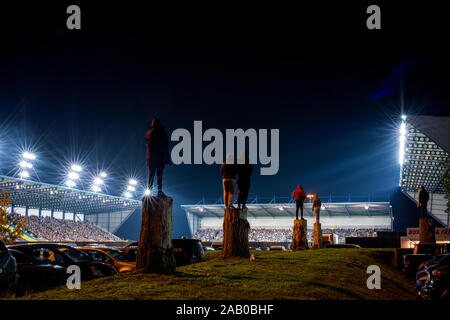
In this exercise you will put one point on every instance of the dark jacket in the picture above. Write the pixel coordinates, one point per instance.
(423, 196)
(244, 172)
(157, 145)
(228, 171)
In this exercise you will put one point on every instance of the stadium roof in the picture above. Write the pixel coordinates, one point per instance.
(38, 195)
(287, 209)
(427, 146)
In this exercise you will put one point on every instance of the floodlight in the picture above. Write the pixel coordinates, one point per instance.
(322, 207)
(280, 208)
(131, 188)
(73, 175)
(127, 195)
(366, 207)
(96, 188)
(403, 129)
(24, 174)
(70, 183)
(201, 209)
(28, 155)
(103, 174)
(76, 168)
(132, 182)
(147, 192)
(25, 164)
(98, 181)
(403, 117)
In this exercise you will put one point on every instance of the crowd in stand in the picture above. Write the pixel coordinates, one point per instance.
(54, 229)
(281, 235)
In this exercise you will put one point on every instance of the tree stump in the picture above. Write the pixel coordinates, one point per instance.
(426, 231)
(155, 242)
(235, 233)
(317, 232)
(299, 239)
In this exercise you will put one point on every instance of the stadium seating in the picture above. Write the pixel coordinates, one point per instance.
(53, 229)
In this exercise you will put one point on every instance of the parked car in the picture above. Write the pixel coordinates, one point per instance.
(121, 261)
(8, 267)
(63, 255)
(277, 248)
(413, 262)
(433, 281)
(342, 245)
(33, 276)
(186, 251)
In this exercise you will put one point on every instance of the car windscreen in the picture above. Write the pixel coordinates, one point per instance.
(75, 254)
(119, 255)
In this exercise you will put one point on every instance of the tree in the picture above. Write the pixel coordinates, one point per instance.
(8, 234)
(446, 183)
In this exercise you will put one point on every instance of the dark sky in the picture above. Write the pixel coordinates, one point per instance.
(331, 86)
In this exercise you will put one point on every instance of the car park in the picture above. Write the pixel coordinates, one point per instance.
(433, 281)
(342, 245)
(8, 267)
(63, 255)
(120, 260)
(187, 251)
(33, 276)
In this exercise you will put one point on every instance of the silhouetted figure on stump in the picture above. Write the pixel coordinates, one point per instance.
(423, 201)
(244, 172)
(228, 171)
(157, 153)
(316, 207)
(299, 196)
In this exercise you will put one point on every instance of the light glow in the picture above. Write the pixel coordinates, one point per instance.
(73, 176)
(147, 192)
(76, 168)
(127, 195)
(103, 174)
(71, 183)
(98, 181)
(24, 174)
(28, 155)
(96, 189)
(132, 182)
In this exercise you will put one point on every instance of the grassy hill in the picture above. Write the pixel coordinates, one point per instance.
(312, 274)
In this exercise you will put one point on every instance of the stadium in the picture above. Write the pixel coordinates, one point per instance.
(423, 150)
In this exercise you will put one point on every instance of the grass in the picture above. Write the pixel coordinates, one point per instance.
(337, 274)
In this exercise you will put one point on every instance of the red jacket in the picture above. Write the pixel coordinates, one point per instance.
(299, 194)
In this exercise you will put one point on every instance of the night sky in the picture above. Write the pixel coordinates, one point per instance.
(330, 85)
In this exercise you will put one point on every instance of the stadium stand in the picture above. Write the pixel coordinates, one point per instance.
(282, 235)
(53, 229)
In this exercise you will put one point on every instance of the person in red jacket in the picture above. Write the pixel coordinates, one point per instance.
(299, 196)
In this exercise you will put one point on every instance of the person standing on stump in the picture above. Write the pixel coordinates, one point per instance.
(299, 196)
(157, 153)
(423, 201)
(244, 172)
(316, 206)
(228, 171)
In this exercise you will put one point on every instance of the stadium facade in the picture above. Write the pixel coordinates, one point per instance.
(426, 148)
(353, 213)
(46, 200)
